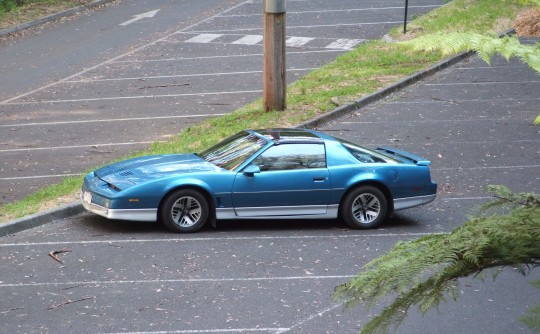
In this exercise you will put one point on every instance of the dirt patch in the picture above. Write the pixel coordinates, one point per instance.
(527, 23)
(59, 201)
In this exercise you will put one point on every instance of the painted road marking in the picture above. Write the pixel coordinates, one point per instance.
(96, 146)
(107, 120)
(249, 40)
(325, 11)
(138, 17)
(293, 41)
(345, 44)
(160, 96)
(298, 41)
(352, 235)
(203, 38)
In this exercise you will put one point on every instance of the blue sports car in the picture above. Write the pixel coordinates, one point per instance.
(262, 174)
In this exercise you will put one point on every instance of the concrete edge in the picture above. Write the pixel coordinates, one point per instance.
(382, 93)
(53, 17)
(41, 218)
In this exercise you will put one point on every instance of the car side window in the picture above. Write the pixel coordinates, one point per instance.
(292, 156)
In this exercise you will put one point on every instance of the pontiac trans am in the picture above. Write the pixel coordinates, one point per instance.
(262, 174)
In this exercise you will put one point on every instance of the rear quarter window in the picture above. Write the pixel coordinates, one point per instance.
(365, 155)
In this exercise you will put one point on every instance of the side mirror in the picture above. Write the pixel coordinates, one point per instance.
(251, 170)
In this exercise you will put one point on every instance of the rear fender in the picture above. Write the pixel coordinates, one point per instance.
(370, 180)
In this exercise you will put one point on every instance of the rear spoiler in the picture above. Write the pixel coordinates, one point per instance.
(418, 160)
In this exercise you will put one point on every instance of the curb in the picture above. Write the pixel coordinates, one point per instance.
(41, 218)
(384, 92)
(53, 17)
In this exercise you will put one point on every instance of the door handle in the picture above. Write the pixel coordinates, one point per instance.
(319, 179)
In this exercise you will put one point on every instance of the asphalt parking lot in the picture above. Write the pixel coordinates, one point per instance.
(278, 277)
(472, 121)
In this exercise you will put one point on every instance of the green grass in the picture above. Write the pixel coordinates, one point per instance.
(464, 15)
(362, 71)
(11, 15)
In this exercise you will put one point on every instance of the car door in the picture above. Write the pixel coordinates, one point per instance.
(293, 180)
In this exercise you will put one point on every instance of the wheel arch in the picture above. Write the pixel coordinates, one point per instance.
(209, 198)
(379, 185)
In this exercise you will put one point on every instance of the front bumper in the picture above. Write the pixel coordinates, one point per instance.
(147, 215)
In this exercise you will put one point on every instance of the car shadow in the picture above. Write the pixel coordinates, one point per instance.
(276, 225)
(102, 225)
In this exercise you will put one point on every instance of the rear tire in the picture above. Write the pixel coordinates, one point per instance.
(364, 208)
(184, 211)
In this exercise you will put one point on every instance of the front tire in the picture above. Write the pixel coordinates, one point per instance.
(364, 208)
(184, 211)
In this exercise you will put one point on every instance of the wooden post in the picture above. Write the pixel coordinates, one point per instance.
(274, 76)
(405, 19)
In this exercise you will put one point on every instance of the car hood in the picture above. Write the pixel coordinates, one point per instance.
(125, 174)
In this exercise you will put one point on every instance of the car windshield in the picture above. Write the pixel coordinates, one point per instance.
(365, 155)
(233, 151)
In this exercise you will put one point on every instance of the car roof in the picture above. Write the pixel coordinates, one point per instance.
(288, 135)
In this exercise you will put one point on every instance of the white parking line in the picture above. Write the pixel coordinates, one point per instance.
(311, 317)
(54, 148)
(179, 280)
(214, 239)
(109, 120)
(334, 11)
(466, 198)
(464, 100)
(493, 67)
(182, 75)
(273, 330)
(485, 167)
(483, 83)
(216, 57)
(437, 121)
(37, 177)
(297, 27)
(132, 97)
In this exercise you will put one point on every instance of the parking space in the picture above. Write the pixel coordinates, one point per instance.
(153, 91)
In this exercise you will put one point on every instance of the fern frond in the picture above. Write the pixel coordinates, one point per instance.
(425, 271)
(486, 46)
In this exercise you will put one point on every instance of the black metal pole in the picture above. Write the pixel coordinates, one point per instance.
(405, 19)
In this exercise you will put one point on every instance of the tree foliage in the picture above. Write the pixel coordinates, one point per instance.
(425, 271)
(486, 46)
